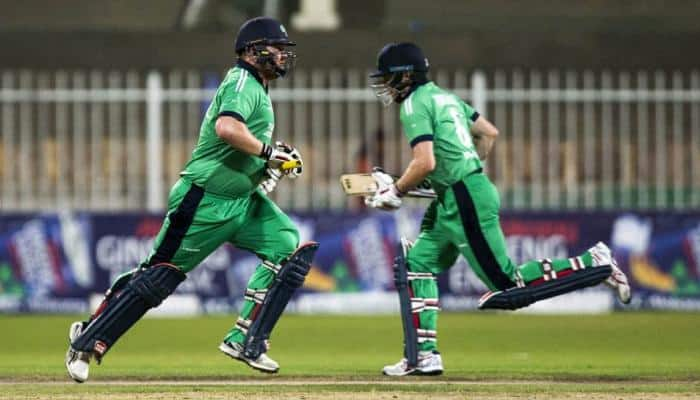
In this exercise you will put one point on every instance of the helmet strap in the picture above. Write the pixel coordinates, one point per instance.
(403, 87)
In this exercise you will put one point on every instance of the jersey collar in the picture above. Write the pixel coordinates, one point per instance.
(415, 87)
(251, 69)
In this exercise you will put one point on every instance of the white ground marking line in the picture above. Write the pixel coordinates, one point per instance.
(257, 382)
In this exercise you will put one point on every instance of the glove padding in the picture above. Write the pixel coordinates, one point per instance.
(269, 184)
(387, 197)
(275, 156)
(292, 152)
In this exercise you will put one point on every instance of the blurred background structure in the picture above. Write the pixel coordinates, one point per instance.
(597, 101)
(598, 104)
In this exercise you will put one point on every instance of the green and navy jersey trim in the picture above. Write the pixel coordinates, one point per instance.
(408, 104)
(240, 84)
(413, 89)
(408, 110)
(233, 114)
(248, 69)
(421, 138)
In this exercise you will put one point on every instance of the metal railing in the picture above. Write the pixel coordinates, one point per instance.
(569, 140)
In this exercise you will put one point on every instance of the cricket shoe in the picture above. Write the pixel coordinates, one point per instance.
(618, 280)
(429, 363)
(77, 362)
(263, 363)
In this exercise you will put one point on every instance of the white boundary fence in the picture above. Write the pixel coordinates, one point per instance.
(569, 140)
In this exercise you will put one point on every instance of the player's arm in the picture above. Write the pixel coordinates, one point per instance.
(237, 135)
(422, 164)
(416, 120)
(484, 134)
(235, 132)
(236, 106)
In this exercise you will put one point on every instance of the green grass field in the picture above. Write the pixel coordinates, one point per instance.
(494, 355)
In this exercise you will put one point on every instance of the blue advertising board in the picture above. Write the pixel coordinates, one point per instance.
(53, 263)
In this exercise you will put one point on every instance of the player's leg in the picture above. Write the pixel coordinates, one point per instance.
(187, 236)
(484, 247)
(270, 234)
(539, 271)
(431, 254)
(473, 223)
(77, 362)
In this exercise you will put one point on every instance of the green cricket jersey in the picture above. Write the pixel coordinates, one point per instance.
(432, 113)
(215, 165)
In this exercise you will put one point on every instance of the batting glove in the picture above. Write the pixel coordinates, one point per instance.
(294, 153)
(387, 197)
(269, 184)
(275, 157)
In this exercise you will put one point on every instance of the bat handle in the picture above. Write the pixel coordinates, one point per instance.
(291, 164)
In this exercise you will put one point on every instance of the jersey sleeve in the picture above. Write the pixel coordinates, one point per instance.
(471, 113)
(236, 101)
(416, 121)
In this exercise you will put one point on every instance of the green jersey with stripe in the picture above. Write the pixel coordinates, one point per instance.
(215, 165)
(432, 113)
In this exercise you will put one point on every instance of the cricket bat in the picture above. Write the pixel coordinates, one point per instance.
(363, 184)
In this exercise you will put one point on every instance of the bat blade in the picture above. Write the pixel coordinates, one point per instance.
(358, 184)
(364, 185)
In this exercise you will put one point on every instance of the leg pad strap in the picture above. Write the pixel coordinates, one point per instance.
(401, 279)
(290, 277)
(146, 289)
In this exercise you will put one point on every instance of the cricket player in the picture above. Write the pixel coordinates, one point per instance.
(449, 141)
(220, 197)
